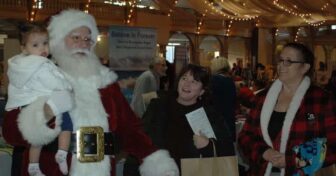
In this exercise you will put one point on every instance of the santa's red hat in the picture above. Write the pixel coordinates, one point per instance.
(61, 24)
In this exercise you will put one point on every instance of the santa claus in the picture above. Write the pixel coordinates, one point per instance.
(101, 114)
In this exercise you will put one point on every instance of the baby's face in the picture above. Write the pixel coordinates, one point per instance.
(37, 44)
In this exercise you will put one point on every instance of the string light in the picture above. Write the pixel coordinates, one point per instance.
(214, 6)
(130, 14)
(257, 23)
(297, 35)
(87, 6)
(302, 15)
(324, 9)
(200, 23)
(231, 17)
(289, 10)
(316, 24)
(324, 6)
(32, 14)
(171, 10)
(228, 28)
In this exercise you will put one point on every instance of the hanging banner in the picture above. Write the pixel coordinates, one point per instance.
(131, 48)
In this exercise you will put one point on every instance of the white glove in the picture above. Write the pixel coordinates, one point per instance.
(61, 101)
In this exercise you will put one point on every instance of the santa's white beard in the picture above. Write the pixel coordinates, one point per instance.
(77, 65)
(88, 110)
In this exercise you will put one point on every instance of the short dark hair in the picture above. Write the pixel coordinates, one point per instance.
(27, 29)
(306, 54)
(199, 73)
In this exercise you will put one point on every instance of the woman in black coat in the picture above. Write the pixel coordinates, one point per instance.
(166, 123)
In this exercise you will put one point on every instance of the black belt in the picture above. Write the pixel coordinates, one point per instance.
(275, 169)
(93, 144)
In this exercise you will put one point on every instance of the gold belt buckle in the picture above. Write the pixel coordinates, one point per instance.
(81, 156)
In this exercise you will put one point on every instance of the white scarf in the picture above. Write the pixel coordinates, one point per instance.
(267, 110)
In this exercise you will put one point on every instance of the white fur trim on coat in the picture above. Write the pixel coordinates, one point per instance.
(159, 163)
(267, 110)
(108, 76)
(33, 124)
(68, 20)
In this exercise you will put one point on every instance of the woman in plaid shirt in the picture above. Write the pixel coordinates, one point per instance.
(288, 114)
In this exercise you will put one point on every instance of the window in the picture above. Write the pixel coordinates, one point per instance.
(333, 27)
(170, 50)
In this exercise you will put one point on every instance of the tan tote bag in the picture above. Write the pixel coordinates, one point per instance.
(213, 166)
(327, 171)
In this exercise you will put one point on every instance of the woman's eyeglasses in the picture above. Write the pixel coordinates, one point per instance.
(289, 62)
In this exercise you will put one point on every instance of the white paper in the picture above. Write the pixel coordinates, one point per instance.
(199, 122)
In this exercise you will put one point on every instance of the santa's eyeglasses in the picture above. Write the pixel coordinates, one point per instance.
(78, 39)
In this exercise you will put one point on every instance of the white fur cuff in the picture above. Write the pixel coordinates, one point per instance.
(159, 163)
(33, 124)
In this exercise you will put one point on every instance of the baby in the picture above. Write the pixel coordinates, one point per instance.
(32, 75)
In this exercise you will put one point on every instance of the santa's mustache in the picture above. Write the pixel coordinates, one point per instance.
(80, 50)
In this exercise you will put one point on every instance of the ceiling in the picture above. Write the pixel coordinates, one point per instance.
(220, 14)
(268, 13)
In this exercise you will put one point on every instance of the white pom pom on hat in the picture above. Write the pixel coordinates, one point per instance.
(68, 20)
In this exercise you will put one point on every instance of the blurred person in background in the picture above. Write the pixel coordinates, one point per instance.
(148, 81)
(321, 75)
(247, 74)
(223, 92)
(331, 86)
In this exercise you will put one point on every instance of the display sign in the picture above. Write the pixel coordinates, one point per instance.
(131, 48)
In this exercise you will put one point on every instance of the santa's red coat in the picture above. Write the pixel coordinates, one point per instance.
(122, 121)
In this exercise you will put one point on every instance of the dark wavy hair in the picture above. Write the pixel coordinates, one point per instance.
(306, 54)
(200, 74)
(27, 29)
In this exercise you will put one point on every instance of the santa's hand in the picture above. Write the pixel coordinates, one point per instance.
(61, 101)
(159, 163)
